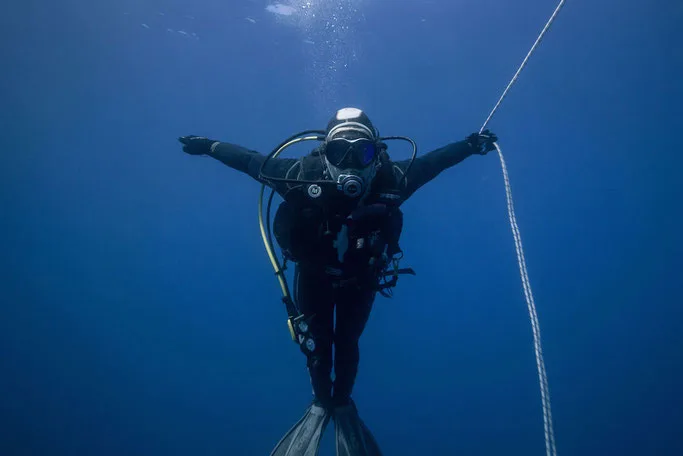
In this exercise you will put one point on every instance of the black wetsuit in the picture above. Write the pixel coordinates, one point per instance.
(326, 278)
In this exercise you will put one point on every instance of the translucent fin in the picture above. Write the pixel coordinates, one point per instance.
(353, 438)
(303, 439)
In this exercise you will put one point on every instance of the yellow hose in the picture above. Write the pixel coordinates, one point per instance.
(279, 273)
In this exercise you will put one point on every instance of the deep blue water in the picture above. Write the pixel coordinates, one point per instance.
(138, 311)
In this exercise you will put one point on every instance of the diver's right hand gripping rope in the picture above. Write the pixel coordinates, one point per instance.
(550, 447)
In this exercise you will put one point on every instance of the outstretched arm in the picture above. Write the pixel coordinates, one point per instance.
(428, 166)
(237, 157)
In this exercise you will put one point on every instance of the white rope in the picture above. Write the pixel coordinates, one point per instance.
(533, 316)
(550, 447)
(524, 62)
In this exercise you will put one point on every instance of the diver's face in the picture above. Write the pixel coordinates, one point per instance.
(351, 157)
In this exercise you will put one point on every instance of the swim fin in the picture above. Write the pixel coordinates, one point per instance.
(303, 439)
(353, 438)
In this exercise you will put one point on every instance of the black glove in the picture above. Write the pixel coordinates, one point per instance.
(482, 143)
(196, 145)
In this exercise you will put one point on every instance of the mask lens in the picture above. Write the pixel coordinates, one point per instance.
(369, 151)
(357, 153)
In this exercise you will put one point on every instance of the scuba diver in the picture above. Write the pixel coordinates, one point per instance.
(340, 224)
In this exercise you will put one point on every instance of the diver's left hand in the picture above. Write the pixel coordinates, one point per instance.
(482, 143)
